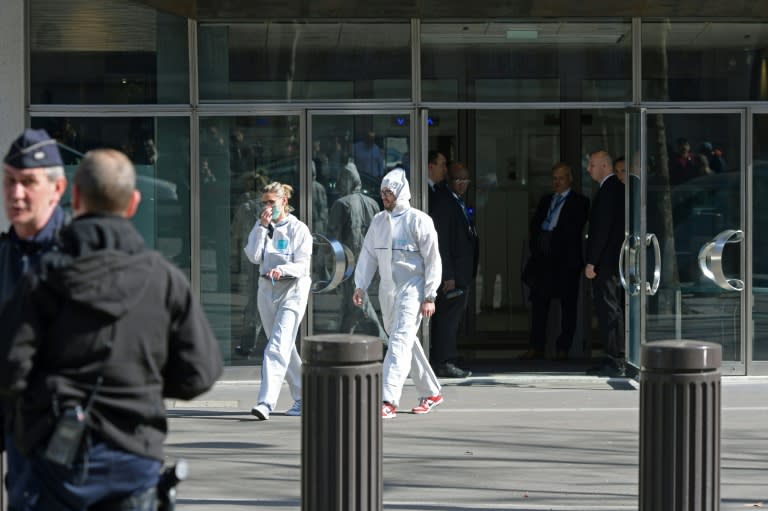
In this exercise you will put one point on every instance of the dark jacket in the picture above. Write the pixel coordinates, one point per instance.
(103, 305)
(16, 255)
(433, 194)
(457, 239)
(606, 227)
(556, 255)
(565, 244)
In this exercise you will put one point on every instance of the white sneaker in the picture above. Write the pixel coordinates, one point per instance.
(261, 412)
(295, 410)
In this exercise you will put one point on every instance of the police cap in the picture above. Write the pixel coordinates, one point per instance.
(33, 149)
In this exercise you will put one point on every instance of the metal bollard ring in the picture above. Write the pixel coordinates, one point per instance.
(343, 264)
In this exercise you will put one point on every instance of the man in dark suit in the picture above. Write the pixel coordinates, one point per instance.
(436, 170)
(457, 239)
(554, 269)
(606, 235)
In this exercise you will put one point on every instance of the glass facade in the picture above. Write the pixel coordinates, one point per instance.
(704, 61)
(106, 52)
(547, 61)
(300, 61)
(159, 149)
(759, 240)
(270, 100)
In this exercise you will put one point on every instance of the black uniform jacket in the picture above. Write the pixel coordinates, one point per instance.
(104, 306)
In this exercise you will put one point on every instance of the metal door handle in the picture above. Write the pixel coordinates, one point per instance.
(712, 253)
(629, 280)
(624, 248)
(651, 239)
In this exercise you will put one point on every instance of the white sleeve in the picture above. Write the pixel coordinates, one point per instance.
(302, 253)
(366, 261)
(433, 265)
(254, 249)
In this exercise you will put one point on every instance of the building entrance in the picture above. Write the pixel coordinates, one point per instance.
(511, 154)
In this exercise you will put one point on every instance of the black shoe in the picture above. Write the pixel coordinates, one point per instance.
(245, 352)
(610, 369)
(531, 354)
(449, 370)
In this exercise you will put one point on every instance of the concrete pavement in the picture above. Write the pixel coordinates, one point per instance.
(534, 442)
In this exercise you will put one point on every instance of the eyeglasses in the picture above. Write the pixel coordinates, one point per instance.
(462, 181)
(268, 203)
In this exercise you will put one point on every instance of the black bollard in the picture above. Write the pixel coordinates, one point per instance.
(341, 441)
(680, 426)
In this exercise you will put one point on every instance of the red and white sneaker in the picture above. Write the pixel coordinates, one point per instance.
(426, 404)
(388, 410)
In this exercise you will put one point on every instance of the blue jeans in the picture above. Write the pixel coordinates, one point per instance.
(104, 476)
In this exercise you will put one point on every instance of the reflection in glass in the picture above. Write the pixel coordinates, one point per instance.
(704, 61)
(760, 240)
(350, 155)
(106, 52)
(238, 156)
(688, 205)
(159, 149)
(536, 61)
(294, 61)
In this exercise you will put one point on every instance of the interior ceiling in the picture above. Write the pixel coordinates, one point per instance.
(457, 9)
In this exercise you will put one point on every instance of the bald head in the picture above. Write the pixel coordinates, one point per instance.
(600, 166)
(105, 182)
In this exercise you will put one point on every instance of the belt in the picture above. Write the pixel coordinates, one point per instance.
(282, 277)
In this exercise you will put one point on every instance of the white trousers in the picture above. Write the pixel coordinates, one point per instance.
(282, 308)
(402, 319)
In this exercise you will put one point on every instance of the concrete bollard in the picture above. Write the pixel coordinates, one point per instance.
(680, 426)
(341, 455)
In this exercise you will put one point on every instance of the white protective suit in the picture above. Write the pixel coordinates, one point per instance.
(402, 245)
(282, 304)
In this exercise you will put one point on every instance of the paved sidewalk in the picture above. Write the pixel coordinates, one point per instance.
(498, 442)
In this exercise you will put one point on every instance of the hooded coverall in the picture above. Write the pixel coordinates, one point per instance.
(286, 246)
(402, 245)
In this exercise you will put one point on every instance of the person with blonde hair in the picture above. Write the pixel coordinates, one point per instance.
(282, 245)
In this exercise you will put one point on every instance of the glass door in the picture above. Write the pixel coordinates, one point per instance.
(349, 153)
(684, 257)
(633, 267)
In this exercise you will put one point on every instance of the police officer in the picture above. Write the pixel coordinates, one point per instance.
(92, 342)
(33, 183)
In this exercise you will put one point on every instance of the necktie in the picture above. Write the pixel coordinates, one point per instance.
(547, 223)
(466, 214)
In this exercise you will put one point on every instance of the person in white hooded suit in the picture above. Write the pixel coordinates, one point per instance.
(401, 244)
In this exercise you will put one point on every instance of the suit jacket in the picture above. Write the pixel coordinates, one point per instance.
(556, 256)
(433, 194)
(457, 239)
(606, 227)
(565, 244)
